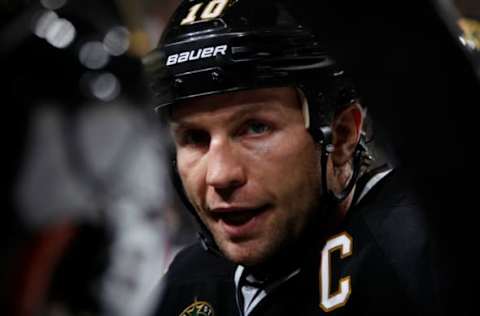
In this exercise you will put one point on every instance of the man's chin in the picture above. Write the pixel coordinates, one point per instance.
(243, 254)
(262, 258)
(246, 261)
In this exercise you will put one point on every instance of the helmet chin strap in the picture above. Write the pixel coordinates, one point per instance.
(204, 235)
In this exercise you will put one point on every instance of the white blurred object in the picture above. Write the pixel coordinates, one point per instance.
(93, 55)
(48, 189)
(138, 257)
(104, 165)
(117, 41)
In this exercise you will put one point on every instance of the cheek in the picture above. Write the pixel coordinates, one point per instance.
(288, 161)
(293, 174)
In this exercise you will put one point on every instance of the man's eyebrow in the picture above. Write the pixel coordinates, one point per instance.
(259, 107)
(177, 126)
(251, 109)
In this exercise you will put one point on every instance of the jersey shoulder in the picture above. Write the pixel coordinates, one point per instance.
(195, 262)
(390, 224)
(394, 215)
(197, 281)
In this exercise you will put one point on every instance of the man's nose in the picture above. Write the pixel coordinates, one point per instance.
(225, 170)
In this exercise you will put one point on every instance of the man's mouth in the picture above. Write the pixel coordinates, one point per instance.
(239, 216)
(238, 221)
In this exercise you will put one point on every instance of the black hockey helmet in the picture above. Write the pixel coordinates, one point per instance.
(217, 46)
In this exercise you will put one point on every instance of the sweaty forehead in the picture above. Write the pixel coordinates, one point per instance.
(237, 102)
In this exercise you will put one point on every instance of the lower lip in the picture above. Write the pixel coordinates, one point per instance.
(244, 229)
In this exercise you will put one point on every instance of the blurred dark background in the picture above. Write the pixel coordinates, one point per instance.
(89, 222)
(416, 64)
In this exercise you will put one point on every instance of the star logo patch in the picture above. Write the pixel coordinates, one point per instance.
(198, 308)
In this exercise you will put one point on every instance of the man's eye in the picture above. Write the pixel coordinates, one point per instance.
(195, 137)
(255, 127)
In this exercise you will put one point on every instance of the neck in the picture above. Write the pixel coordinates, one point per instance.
(342, 208)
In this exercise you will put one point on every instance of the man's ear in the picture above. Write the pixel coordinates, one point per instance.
(346, 131)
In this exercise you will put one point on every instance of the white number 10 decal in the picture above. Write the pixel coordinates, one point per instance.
(213, 9)
(329, 302)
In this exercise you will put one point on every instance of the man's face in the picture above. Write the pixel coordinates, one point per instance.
(250, 168)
